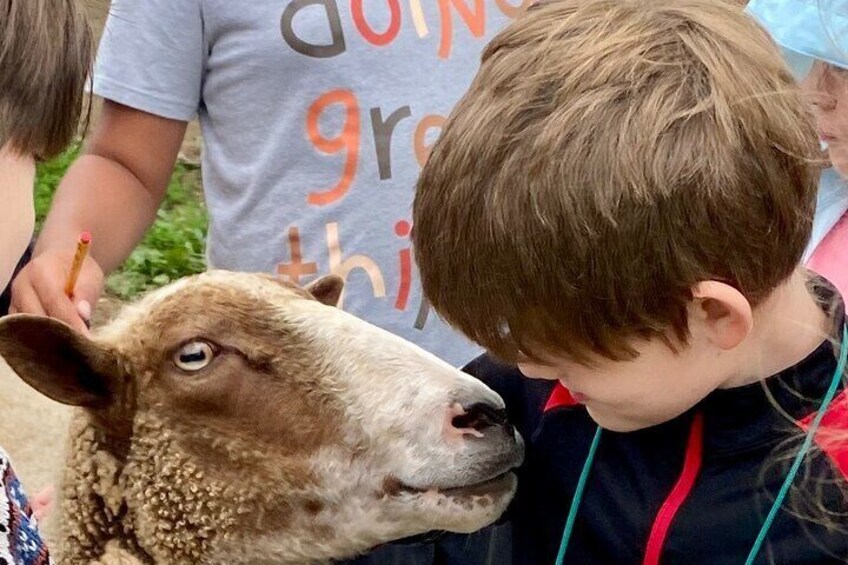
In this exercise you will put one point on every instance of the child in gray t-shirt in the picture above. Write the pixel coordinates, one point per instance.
(316, 118)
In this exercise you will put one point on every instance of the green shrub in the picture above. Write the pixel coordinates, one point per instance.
(174, 245)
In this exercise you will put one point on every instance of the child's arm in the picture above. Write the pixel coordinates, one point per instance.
(151, 63)
(113, 190)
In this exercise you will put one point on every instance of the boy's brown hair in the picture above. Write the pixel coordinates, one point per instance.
(45, 57)
(609, 155)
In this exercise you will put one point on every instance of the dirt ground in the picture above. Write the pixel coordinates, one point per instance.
(97, 11)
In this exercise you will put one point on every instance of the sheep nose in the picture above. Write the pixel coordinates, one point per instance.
(477, 418)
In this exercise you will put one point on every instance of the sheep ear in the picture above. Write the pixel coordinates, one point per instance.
(327, 290)
(58, 361)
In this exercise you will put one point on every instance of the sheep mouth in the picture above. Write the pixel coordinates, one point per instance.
(500, 485)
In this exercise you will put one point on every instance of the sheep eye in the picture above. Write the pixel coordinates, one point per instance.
(194, 356)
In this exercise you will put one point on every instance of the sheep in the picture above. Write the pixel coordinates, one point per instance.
(236, 418)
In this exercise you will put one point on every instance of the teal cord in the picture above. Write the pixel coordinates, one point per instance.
(578, 497)
(784, 489)
(802, 453)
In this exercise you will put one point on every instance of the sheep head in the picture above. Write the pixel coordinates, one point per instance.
(235, 418)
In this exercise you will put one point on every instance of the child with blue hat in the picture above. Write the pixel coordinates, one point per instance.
(813, 35)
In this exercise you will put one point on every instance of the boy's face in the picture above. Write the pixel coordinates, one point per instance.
(657, 386)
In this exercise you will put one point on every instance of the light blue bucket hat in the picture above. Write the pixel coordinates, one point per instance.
(806, 30)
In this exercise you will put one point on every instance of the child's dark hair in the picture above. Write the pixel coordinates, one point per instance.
(609, 155)
(46, 49)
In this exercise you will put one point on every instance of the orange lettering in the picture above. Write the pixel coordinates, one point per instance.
(403, 229)
(476, 22)
(347, 141)
(372, 37)
(419, 142)
(511, 11)
(297, 268)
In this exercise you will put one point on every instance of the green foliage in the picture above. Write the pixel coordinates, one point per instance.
(174, 245)
(47, 179)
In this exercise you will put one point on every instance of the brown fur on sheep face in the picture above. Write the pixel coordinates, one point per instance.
(233, 418)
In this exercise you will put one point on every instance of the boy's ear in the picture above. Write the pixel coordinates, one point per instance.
(59, 362)
(722, 313)
(327, 290)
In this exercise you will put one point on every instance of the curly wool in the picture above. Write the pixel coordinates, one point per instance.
(160, 508)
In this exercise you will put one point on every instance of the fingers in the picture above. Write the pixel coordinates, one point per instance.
(25, 300)
(89, 286)
(54, 301)
(42, 503)
(84, 310)
(40, 289)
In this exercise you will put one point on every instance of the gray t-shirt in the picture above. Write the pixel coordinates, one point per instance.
(316, 116)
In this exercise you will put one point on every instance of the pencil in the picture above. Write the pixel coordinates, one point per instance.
(82, 250)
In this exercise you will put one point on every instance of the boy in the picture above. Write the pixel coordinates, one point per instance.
(619, 206)
(45, 57)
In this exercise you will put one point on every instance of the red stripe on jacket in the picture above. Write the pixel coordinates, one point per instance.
(832, 435)
(561, 397)
(680, 492)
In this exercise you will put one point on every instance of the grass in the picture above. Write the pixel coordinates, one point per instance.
(174, 245)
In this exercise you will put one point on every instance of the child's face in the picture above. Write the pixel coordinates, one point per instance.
(657, 386)
(827, 86)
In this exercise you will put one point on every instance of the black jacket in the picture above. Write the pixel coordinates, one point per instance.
(690, 491)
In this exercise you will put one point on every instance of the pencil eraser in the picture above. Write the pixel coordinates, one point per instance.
(85, 237)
